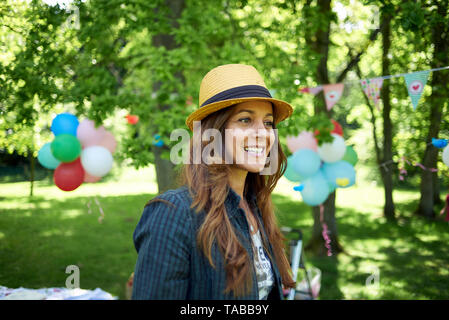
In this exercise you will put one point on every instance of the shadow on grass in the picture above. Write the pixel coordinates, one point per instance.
(411, 253)
(42, 237)
(296, 214)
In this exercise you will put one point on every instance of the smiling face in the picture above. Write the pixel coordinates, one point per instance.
(249, 134)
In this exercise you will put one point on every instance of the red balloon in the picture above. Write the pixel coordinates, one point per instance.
(132, 119)
(337, 128)
(69, 176)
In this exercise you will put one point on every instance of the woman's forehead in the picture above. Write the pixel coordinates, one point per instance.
(258, 107)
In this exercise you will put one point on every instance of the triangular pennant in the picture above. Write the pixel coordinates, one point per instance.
(313, 90)
(372, 87)
(332, 93)
(416, 82)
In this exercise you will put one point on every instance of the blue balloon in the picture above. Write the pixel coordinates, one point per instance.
(316, 189)
(439, 143)
(64, 123)
(291, 174)
(339, 174)
(46, 158)
(298, 187)
(157, 141)
(306, 162)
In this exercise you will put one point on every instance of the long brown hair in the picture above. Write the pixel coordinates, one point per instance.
(207, 184)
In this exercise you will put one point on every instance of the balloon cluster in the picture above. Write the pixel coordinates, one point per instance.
(78, 153)
(320, 169)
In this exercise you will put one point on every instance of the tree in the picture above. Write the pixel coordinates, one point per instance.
(435, 23)
(317, 31)
(30, 75)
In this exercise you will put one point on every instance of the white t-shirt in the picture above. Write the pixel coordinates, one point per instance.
(265, 278)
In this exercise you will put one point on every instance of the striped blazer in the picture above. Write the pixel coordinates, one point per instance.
(171, 266)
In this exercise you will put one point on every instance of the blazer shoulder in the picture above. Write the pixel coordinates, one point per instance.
(178, 199)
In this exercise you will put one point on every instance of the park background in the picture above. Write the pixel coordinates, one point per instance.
(106, 60)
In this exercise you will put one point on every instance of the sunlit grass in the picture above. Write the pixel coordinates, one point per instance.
(41, 236)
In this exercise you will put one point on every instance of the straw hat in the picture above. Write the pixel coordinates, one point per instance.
(230, 84)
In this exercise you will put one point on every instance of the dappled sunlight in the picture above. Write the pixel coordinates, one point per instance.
(57, 232)
(71, 214)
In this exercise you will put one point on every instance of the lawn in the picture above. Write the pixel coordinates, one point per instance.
(40, 237)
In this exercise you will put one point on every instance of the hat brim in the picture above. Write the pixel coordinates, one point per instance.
(282, 112)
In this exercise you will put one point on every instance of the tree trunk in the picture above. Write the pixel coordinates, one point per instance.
(429, 186)
(316, 244)
(320, 45)
(165, 169)
(387, 158)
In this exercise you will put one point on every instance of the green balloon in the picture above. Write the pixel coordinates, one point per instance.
(350, 156)
(66, 147)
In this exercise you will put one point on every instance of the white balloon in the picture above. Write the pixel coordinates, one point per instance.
(446, 155)
(96, 160)
(334, 151)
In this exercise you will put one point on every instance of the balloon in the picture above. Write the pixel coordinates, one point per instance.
(446, 156)
(350, 156)
(96, 160)
(69, 176)
(46, 158)
(157, 140)
(316, 189)
(88, 134)
(290, 174)
(439, 143)
(340, 174)
(334, 151)
(332, 187)
(132, 119)
(306, 162)
(305, 140)
(298, 187)
(108, 142)
(337, 128)
(64, 123)
(66, 147)
(90, 178)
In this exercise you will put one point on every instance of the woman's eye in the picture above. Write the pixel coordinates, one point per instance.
(269, 123)
(244, 120)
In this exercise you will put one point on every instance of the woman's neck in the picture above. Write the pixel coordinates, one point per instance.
(237, 180)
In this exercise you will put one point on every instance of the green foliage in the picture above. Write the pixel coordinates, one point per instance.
(112, 62)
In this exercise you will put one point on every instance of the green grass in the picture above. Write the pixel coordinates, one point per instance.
(41, 236)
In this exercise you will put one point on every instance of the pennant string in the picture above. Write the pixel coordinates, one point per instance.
(384, 77)
(325, 232)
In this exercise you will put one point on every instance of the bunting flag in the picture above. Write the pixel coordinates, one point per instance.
(313, 90)
(416, 82)
(332, 93)
(372, 87)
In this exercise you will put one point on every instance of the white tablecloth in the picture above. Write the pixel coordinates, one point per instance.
(53, 294)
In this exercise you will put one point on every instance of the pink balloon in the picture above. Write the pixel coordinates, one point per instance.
(90, 178)
(108, 142)
(88, 135)
(305, 140)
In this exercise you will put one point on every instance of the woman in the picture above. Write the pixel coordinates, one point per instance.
(216, 237)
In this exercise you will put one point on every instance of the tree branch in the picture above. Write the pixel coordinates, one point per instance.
(356, 59)
(373, 118)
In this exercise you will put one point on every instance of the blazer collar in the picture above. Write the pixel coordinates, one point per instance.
(233, 200)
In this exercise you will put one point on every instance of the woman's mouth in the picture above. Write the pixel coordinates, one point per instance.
(255, 151)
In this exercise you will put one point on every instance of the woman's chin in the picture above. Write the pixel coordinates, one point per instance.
(254, 168)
